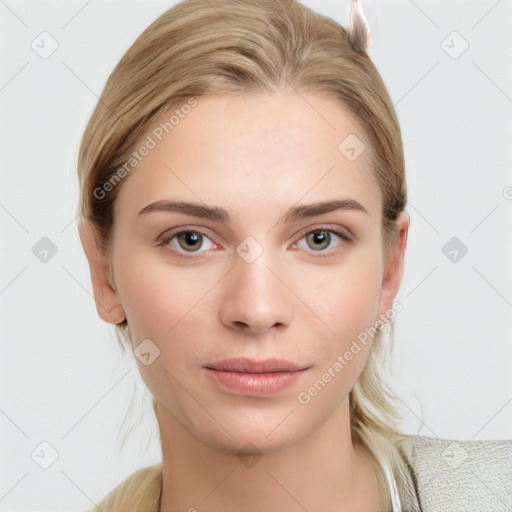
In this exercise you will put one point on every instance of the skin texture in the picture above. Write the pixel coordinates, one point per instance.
(256, 157)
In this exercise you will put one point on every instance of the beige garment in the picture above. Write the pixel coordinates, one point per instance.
(453, 476)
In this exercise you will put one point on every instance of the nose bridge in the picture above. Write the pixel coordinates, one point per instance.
(256, 299)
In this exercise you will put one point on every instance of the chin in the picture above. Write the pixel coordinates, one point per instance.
(256, 433)
(255, 444)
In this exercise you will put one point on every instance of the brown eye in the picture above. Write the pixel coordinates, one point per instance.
(318, 240)
(190, 241)
(323, 241)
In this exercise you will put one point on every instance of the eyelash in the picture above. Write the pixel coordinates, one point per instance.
(166, 238)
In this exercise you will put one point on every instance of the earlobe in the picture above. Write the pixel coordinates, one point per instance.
(107, 302)
(394, 265)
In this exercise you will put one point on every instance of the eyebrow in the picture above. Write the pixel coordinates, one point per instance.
(219, 214)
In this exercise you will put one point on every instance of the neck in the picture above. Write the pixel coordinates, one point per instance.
(324, 471)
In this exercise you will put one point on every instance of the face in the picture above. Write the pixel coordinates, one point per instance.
(247, 249)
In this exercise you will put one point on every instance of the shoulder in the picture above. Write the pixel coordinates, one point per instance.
(470, 475)
(140, 492)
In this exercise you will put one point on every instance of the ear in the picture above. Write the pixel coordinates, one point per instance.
(394, 264)
(107, 302)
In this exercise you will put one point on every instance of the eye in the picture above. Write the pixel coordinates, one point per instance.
(188, 241)
(319, 240)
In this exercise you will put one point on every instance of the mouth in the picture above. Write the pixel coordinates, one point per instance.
(244, 365)
(254, 377)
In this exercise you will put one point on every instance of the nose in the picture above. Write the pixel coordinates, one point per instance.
(255, 298)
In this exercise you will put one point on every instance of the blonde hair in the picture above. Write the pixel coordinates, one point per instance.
(239, 46)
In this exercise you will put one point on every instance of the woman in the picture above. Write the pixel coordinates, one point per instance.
(243, 213)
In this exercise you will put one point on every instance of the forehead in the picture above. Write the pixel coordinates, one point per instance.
(253, 151)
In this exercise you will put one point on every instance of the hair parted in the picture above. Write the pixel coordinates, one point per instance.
(246, 47)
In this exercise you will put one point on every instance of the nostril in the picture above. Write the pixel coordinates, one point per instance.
(239, 325)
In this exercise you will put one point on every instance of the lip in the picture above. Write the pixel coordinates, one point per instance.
(246, 365)
(252, 377)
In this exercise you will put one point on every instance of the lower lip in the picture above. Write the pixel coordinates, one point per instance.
(255, 384)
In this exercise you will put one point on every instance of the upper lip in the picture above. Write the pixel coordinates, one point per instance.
(245, 365)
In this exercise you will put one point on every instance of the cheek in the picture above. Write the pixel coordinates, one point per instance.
(346, 300)
(158, 298)
(167, 305)
(344, 297)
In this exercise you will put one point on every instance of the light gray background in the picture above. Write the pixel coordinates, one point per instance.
(63, 379)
